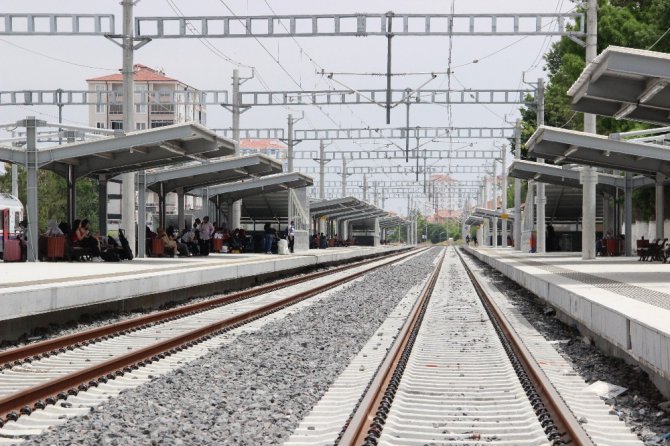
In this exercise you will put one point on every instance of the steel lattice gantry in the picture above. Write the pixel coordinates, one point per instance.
(404, 132)
(359, 25)
(399, 154)
(399, 169)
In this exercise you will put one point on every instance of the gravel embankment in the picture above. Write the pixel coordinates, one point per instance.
(642, 406)
(256, 389)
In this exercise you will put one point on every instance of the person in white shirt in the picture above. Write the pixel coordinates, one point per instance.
(290, 232)
(205, 235)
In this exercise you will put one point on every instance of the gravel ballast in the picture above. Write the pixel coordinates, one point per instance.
(643, 408)
(258, 388)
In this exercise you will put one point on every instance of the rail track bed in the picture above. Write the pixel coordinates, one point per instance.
(413, 352)
(151, 370)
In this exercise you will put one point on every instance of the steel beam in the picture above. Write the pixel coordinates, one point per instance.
(398, 169)
(398, 154)
(378, 97)
(358, 25)
(18, 24)
(88, 97)
(402, 132)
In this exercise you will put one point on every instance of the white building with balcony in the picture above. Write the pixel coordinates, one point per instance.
(159, 101)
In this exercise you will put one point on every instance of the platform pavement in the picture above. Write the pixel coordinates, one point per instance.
(35, 294)
(622, 302)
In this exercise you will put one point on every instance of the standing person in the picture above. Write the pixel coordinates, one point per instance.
(205, 236)
(269, 237)
(467, 239)
(290, 232)
(474, 240)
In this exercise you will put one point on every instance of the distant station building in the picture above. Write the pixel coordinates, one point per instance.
(272, 148)
(159, 101)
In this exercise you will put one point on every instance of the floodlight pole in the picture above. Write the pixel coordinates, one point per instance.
(322, 170)
(365, 188)
(540, 196)
(290, 143)
(128, 179)
(503, 196)
(376, 199)
(589, 176)
(344, 177)
(494, 220)
(517, 189)
(237, 206)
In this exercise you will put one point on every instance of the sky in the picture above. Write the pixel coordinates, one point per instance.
(51, 62)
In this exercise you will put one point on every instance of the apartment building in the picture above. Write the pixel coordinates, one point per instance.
(159, 101)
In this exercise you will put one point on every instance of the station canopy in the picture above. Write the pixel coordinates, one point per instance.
(207, 174)
(490, 213)
(259, 186)
(263, 199)
(347, 208)
(561, 145)
(625, 83)
(392, 221)
(132, 152)
(568, 175)
(473, 220)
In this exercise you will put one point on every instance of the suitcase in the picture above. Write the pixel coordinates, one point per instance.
(157, 247)
(55, 248)
(12, 251)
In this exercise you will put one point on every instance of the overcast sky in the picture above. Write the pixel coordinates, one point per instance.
(46, 63)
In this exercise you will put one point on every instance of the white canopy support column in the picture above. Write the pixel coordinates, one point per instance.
(660, 214)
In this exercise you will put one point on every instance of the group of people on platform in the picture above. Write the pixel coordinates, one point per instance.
(199, 239)
(204, 237)
(82, 243)
(321, 241)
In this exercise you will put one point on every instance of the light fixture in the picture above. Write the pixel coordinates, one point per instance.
(653, 88)
(624, 111)
(570, 151)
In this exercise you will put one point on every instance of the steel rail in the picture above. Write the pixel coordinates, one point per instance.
(25, 401)
(561, 414)
(50, 347)
(356, 431)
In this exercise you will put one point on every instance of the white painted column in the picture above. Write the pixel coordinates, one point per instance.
(589, 176)
(660, 215)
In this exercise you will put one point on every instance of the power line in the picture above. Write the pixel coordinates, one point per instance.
(56, 58)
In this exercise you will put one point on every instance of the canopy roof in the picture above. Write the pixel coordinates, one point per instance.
(348, 208)
(490, 213)
(568, 175)
(561, 145)
(391, 221)
(259, 186)
(474, 220)
(264, 199)
(207, 174)
(134, 151)
(625, 83)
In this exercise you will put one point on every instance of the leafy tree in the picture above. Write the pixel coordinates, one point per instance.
(636, 24)
(52, 196)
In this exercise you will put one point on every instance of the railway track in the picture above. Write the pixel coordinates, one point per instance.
(458, 373)
(39, 375)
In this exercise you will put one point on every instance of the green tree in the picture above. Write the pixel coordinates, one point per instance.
(52, 196)
(636, 24)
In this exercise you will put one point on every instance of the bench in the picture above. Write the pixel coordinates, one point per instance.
(655, 251)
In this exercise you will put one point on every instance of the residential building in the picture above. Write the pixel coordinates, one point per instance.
(159, 101)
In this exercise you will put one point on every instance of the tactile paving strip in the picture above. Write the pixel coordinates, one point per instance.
(638, 293)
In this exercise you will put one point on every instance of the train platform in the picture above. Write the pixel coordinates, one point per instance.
(38, 294)
(621, 303)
